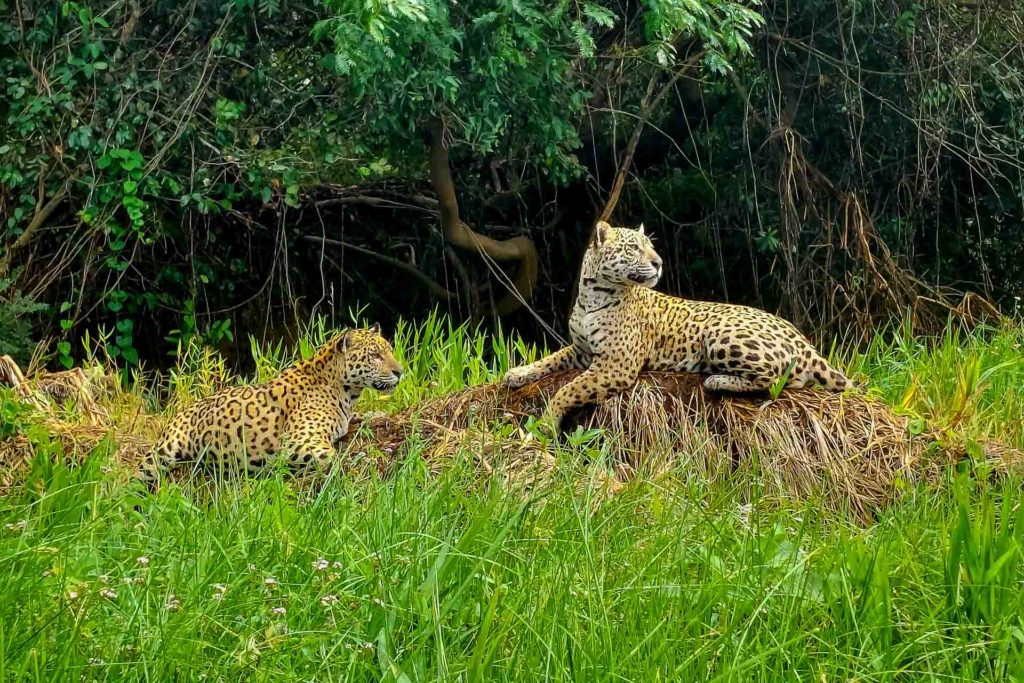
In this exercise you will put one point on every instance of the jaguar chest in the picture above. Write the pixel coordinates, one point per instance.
(589, 328)
(340, 420)
(340, 429)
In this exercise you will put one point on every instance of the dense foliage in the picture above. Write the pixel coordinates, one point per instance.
(177, 169)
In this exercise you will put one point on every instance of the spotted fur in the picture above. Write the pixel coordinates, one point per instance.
(621, 326)
(301, 414)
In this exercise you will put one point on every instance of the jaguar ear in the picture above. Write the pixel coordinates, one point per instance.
(602, 231)
(345, 340)
(641, 229)
(375, 328)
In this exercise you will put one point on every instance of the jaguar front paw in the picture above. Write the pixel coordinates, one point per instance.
(517, 377)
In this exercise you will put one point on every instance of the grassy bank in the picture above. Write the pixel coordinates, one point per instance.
(423, 578)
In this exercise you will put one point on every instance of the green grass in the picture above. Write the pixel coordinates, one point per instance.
(447, 579)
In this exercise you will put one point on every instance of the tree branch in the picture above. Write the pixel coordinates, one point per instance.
(520, 249)
(364, 200)
(42, 213)
(647, 107)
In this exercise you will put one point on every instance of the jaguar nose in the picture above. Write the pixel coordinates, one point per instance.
(656, 262)
(397, 374)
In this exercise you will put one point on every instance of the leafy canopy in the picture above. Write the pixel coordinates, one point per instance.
(515, 73)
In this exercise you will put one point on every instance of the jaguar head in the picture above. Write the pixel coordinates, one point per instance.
(369, 359)
(623, 256)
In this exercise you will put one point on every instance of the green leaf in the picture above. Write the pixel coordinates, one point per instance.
(132, 161)
(599, 15)
(584, 41)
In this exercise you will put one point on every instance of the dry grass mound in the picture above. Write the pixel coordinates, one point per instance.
(73, 441)
(850, 449)
(44, 389)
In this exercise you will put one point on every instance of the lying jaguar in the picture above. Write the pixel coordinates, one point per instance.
(300, 415)
(621, 326)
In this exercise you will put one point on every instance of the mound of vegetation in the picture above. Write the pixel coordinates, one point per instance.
(851, 450)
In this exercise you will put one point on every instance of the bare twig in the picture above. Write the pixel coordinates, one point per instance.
(432, 286)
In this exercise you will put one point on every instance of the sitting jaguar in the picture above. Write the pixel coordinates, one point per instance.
(301, 414)
(621, 326)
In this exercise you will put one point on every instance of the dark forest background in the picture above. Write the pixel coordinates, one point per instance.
(208, 169)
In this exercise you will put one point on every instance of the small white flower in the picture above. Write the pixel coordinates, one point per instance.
(47, 574)
(72, 595)
(16, 526)
(96, 661)
(142, 561)
(336, 565)
(173, 604)
(328, 600)
(270, 582)
(320, 564)
(219, 589)
(279, 611)
(109, 593)
(378, 602)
